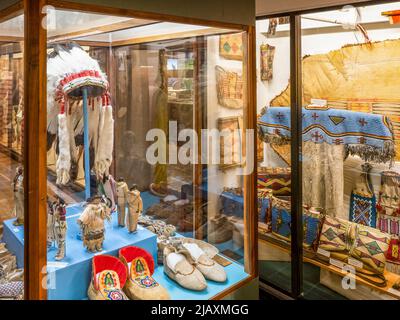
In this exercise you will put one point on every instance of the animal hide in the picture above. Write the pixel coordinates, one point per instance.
(323, 177)
(359, 77)
(94, 123)
(359, 71)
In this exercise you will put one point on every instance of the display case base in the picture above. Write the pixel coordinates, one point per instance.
(69, 279)
(235, 274)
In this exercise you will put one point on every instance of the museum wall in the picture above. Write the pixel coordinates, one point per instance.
(231, 11)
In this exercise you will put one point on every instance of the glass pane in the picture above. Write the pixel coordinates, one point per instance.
(350, 153)
(11, 158)
(274, 163)
(146, 151)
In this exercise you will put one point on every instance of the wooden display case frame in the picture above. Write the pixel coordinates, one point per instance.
(35, 154)
(295, 248)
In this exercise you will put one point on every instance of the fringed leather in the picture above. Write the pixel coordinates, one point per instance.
(63, 164)
(105, 144)
(373, 154)
(272, 138)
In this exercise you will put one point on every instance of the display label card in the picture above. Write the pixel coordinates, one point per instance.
(73, 216)
(354, 262)
(336, 263)
(319, 102)
(324, 253)
(394, 291)
(56, 264)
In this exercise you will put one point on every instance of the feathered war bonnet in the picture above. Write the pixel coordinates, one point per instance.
(69, 70)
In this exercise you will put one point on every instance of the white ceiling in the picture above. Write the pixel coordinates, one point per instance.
(62, 22)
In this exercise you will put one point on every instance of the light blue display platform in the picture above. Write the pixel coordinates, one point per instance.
(69, 279)
(235, 274)
(14, 238)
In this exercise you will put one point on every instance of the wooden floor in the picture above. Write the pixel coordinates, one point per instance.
(7, 173)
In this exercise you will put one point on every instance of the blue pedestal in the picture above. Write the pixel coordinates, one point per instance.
(235, 274)
(14, 238)
(69, 279)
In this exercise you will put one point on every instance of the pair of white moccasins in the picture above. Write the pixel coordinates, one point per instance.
(189, 262)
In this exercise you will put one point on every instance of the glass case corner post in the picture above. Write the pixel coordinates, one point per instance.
(86, 142)
(296, 150)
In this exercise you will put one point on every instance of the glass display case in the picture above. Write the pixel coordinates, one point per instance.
(346, 108)
(146, 156)
(12, 123)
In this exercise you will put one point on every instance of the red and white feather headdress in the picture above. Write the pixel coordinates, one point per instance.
(69, 70)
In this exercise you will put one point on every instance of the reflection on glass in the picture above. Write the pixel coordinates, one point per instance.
(11, 159)
(136, 176)
(274, 162)
(350, 170)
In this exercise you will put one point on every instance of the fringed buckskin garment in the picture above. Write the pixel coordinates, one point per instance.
(323, 179)
(135, 208)
(91, 222)
(329, 136)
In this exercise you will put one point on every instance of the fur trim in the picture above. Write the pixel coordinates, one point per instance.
(72, 146)
(63, 165)
(106, 262)
(94, 122)
(106, 144)
(373, 154)
(274, 139)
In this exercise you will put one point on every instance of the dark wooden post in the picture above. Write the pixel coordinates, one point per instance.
(35, 175)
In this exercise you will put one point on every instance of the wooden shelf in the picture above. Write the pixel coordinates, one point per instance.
(307, 257)
(181, 103)
(181, 73)
(331, 29)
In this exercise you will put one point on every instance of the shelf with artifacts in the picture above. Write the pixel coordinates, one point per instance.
(363, 175)
(345, 20)
(100, 107)
(269, 240)
(72, 274)
(11, 104)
